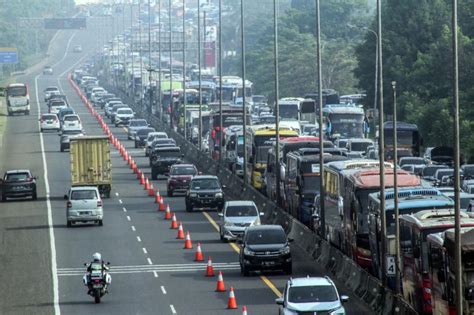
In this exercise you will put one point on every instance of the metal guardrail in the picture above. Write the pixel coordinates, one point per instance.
(365, 286)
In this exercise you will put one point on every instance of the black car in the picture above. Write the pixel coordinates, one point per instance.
(163, 159)
(205, 192)
(18, 184)
(265, 247)
(141, 136)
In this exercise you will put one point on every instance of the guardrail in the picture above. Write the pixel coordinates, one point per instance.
(368, 288)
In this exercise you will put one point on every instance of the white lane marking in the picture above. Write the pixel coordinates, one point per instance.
(117, 194)
(172, 309)
(66, 52)
(128, 218)
(139, 239)
(163, 289)
(155, 274)
(144, 251)
(73, 65)
(120, 201)
(133, 228)
(149, 261)
(124, 209)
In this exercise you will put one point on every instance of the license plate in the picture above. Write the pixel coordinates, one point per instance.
(49, 122)
(70, 125)
(85, 213)
(268, 263)
(97, 286)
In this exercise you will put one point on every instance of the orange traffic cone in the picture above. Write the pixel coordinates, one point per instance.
(174, 223)
(162, 205)
(126, 157)
(167, 213)
(244, 310)
(220, 283)
(138, 172)
(180, 232)
(130, 161)
(209, 269)
(232, 303)
(198, 256)
(142, 179)
(187, 241)
(157, 197)
(147, 184)
(151, 190)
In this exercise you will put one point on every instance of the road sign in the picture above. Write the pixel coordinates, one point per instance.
(30, 23)
(8, 55)
(65, 23)
(391, 266)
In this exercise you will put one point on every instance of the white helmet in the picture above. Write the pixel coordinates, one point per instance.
(97, 257)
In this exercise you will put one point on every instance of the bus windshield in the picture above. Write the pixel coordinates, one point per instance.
(347, 125)
(17, 91)
(403, 137)
(289, 112)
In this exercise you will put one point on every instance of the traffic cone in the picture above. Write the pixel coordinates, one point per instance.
(244, 310)
(232, 303)
(138, 172)
(126, 157)
(132, 164)
(157, 197)
(180, 232)
(142, 179)
(198, 256)
(187, 241)
(174, 223)
(220, 283)
(162, 204)
(130, 160)
(167, 213)
(151, 190)
(147, 184)
(209, 269)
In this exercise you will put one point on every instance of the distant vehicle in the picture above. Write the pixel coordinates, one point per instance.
(56, 105)
(310, 130)
(151, 137)
(141, 136)
(77, 49)
(428, 172)
(159, 143)
(236, 216)
(65, 138)
(345, 121)
(71, 122)
(163, 159)
(110, 105)
(134, 125)
(123, 116)
(311, 295)
(50, 91)
(18, 98)
(417, 163)
(179, 178)
(265, 247)
(408, 138)
(359, 145)
(47, 70)
(49, 122)
(84, 205)
(205, 192)
(18, 184)
(63, 112)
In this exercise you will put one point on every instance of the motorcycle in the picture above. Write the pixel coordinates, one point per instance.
(97, 280)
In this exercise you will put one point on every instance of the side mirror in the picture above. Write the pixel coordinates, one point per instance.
(290, 240)
(344, 298)
(65, 197)
(199, 173)
(262, 213)
(224, 186)
(220, 214)
(280, 301)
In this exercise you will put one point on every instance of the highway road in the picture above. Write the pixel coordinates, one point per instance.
(43, 260)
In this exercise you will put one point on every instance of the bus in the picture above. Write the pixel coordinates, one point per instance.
(345, 121)
(259, 139)
(414, 230)
(333, 202)
(290, 114)
(232, 89)
(233, 148)
(358, 185)
(18, 98)
(208, 90)
(409, 139)
(441, 247)
(410, 200)
(330, 96)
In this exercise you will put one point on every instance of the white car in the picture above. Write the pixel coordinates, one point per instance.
(152, 136)
(49, 122)
(56, 106)
(71, 122)
(84, 205)
(96, 92)
(50, 91)
(123, 116)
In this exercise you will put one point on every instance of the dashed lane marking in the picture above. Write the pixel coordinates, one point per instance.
(172, 309)
(120, 201)
(163, 289)
(139, 239)
(124, 209)
(237, 249)
(144, 251)
(133, 228)
(128, 218)
(155, 273)
(149, 261)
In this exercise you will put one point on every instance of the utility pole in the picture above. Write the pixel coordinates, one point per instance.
(159, 61)
(171, 67)
(277, 99)
(141, 55)
(383, 228)
(395, 191)
(221, 132)
(184, 68)
(242, 39)
(150, 91)
(457, 211)
(131, 49)
(200, 82)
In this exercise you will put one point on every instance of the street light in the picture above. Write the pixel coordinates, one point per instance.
(395, 190)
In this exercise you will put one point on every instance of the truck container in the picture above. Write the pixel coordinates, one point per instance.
(91, 164)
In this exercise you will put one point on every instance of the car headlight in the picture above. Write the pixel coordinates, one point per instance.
(256, 222)
(285, 250)
(228, 223)
(338, 311)
(248, 252)
(192, 195)
(219, 195)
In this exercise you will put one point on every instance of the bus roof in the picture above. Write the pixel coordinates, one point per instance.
(370, 178)
(400, 125)
(16, 85)
(342, 109)
(434, 219)
(410, 197)
(467, 240)
(356, 164)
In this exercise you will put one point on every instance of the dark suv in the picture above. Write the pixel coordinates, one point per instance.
(18, 184)
(141, 136)
(163, 159)
(205, 192)
(265, 247)
(180, 177)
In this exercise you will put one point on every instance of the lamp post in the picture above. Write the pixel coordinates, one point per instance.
(395, 190)
(184, 69)
(277, 97)
(171, 66)
(221, 132)
(199, 73)
(159, 61)
(150, 91)
(242, 38)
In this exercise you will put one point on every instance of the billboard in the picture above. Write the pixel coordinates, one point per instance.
(65, 23)
(8, 55)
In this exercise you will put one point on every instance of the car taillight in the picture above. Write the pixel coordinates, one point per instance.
(68, 204)
(99, 203)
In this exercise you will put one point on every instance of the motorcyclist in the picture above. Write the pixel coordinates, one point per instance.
(96, 259)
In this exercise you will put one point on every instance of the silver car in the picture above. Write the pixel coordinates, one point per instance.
(134, 125)
(236, 216)
(84, 205)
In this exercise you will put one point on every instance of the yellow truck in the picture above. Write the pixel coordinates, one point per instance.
(91, 164)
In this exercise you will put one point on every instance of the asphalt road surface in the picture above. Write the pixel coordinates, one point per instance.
(42, 259)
